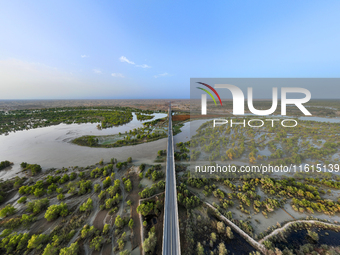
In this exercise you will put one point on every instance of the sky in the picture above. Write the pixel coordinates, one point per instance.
(150, 49)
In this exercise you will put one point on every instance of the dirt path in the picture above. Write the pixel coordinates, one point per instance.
(250, 240)
(107, 249)
(288, 213)
(98, 222)
(276, 231)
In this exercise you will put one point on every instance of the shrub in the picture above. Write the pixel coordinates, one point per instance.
(54, 211)
(128, 185)
(87, 231)
(27, 219)
(7, 211)
(96, 243)
(87, 206)
(106, 229)
(22, 200)
(97, 188)
(119, 222)
(61, 197)
(145, 208)
(37, 206)
(72, 250)
(150, 242)
(131, 223)
(36, 241)
(50, 250)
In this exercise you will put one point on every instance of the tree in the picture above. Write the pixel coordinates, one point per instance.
(27, 219)
(107, 182)
(55, 210)
(145, 208)
(121, 242)
(61, 197)
(36, 241)
(97, 188)
(119, 165)
(142, 167)
(87, 206)
(87, 231)
(39, 192)
(221, 249)
(145, 223)
(106, 228)
(96, 243)
(313, 235)
(37, 206)
(129, 160)
(35, 169)
(72, 250)
(131, 223)
(230, 233)
(213, 237)
(50, 250)
(119, 222)
(220, 227)
(128, 185)
(150, 242)
(7, 211)
(200, 249)
(22, 200)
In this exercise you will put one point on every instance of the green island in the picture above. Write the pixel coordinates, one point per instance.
(16, 120)
(151, 131)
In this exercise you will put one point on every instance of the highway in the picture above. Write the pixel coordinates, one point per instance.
(171, 240)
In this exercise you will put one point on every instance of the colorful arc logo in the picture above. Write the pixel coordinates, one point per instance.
(209, 93)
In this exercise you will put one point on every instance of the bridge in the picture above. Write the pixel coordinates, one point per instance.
(171, 240)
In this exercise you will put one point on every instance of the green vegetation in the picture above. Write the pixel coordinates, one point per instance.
(7, 211)
(150, 242)
(144, 117)
(96, 243)
(87, 206)
(72, 250)
(34, 168)
(4, 164)
(186, 198)
(27, 119)
(38, 206)
(151, 131)
(87, 231)
(54, 211)
(22, 200)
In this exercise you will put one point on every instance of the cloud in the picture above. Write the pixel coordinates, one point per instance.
(84, 56)
(124, 59)
(143, 66)
(117, 75)
(161, 75)
(97, 71)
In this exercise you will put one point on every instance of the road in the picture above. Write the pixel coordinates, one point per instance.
(171, 240)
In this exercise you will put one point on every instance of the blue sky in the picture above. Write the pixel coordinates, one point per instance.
(151, 49)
